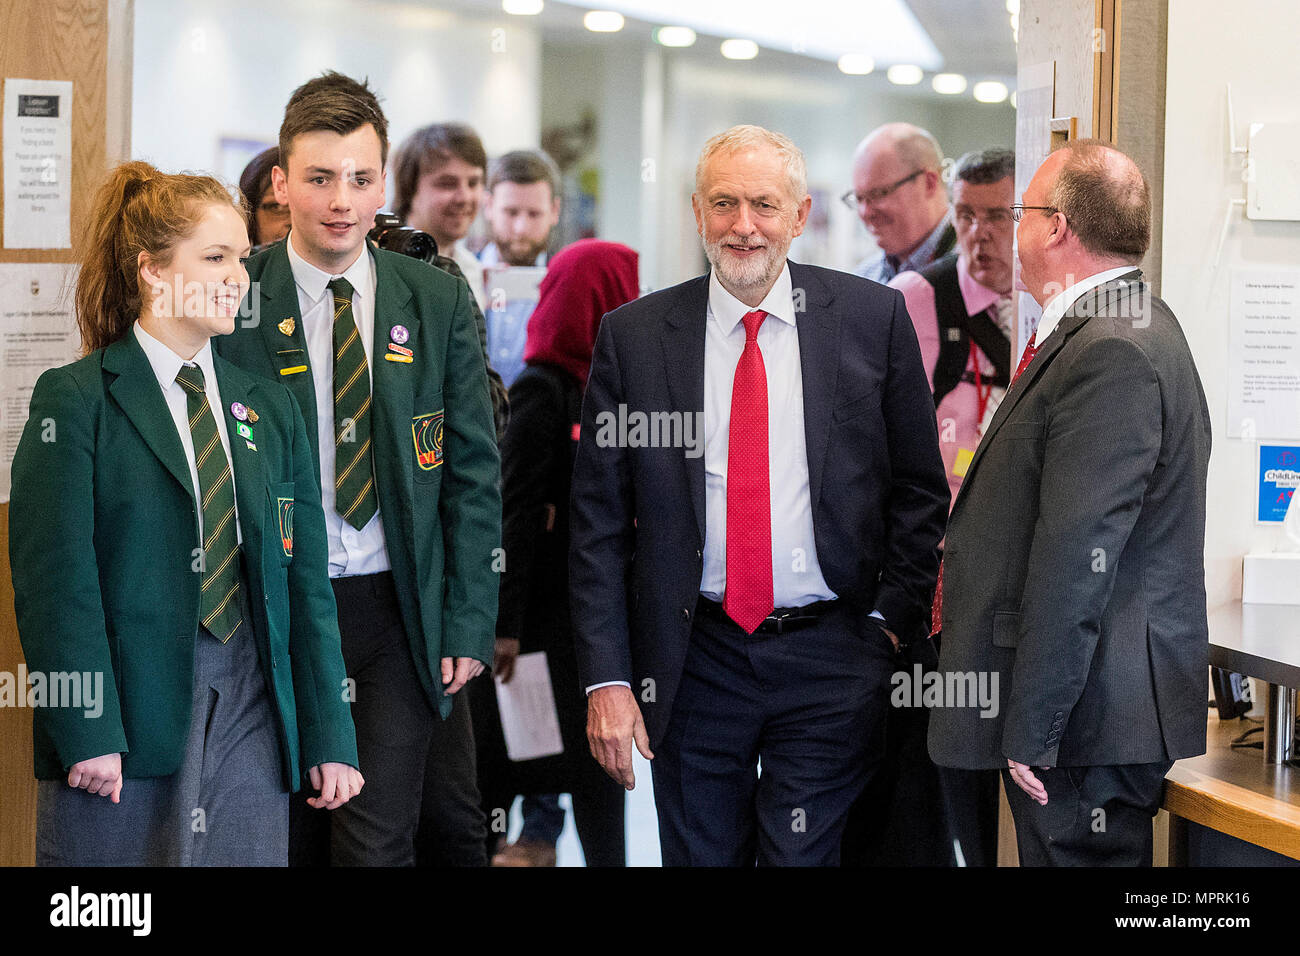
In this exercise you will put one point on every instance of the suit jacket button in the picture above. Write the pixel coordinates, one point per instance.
(686, 614)
(699, 555)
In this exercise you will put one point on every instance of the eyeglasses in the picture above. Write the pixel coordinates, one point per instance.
(997, 216)
(854, 200)
(1018, 210)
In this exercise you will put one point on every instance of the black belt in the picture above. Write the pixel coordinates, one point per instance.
(780, 621)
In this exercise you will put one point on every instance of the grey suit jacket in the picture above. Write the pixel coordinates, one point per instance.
(1074, 561)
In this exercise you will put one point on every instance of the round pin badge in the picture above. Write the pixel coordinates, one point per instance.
(399, 334)
(239, 411)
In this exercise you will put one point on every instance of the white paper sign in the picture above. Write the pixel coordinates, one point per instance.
(1264, 354)
(37, 332)
(38, 164)
(529, 721)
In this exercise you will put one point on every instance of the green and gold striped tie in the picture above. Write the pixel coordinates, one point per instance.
(354, 479)
(219, 598)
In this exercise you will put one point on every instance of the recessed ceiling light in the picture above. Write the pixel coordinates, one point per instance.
(603, 21)
(522, 8)
(949, 83)
(905, 74)
(675, 36)
(856, 64)
(990, 91)
(739, 49)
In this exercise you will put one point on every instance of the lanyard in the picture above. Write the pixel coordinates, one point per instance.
(982, 391)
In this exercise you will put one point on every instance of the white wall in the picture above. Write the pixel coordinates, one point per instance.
(212, 68)
(1206, 52)
(662, 105)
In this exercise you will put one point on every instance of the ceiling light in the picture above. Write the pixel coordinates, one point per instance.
(739, 49)
(675, 36)
(1013, 7)
(949, 83)
(522, 8)
(603, 21)
(1013, 99)
(856, 64)
(990, 91)
(905, 74)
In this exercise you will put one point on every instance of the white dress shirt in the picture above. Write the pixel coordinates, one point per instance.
(166, 364)
(1060, 303)
(351, 551)
(796, 575)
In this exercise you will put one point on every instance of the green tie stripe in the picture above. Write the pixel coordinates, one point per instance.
(219, 587)
(354, 484)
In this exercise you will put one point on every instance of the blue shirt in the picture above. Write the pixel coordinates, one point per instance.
(882, 268)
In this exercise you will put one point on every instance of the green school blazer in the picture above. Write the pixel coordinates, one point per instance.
(437, 469)
(104, 539)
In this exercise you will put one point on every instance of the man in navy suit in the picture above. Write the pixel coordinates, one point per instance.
(757, 501)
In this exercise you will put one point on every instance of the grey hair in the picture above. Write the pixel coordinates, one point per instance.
(740, 138)
(982, 166)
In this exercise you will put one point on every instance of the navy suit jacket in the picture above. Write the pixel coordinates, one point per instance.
(876, 479)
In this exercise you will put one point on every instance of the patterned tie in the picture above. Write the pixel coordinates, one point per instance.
(219, 594)
(747, 598)
(354, 480)
(936, 610)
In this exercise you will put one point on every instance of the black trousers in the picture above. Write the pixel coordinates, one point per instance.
(809, 705)
(1095, 816)
(397, 730)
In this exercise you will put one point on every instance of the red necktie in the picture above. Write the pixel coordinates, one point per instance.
(747, 598)
(936, 612)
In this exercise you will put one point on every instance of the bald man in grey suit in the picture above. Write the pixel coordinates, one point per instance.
(1073, 579)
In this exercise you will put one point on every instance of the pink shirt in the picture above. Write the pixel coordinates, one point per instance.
(958, 415)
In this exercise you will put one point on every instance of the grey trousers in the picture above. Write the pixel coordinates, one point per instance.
(225, 806)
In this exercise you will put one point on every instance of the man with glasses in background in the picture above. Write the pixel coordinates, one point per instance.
(962, 309)
(900, 197)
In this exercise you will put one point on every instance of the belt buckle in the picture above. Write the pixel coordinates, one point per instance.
(779, 621)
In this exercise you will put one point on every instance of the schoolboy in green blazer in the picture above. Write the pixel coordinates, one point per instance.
(382, 354)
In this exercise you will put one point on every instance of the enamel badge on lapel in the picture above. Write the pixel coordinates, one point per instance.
(399, 334)
(286, 326)
(397, 351)
(239, 410)
(252, 416)
(426, 432)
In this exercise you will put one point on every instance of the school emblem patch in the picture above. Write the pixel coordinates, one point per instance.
(284, 509)
(426, 432)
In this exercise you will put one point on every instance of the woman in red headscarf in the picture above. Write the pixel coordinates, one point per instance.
(582, 283)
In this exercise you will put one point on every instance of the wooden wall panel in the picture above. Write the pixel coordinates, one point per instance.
(46, 40)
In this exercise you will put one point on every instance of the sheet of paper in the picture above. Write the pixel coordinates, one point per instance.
(528, 717)
(37, 332)
(38, 164)
(1264, 354)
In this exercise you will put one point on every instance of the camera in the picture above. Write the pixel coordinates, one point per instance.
(390, 233)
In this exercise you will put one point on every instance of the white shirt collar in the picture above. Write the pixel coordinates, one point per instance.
(1060, 304)
(728, 310)
(313, 281)
(166, 363)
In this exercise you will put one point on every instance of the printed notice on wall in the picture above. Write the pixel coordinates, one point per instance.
(1264, 354)
(37, 332)
(38, 164)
